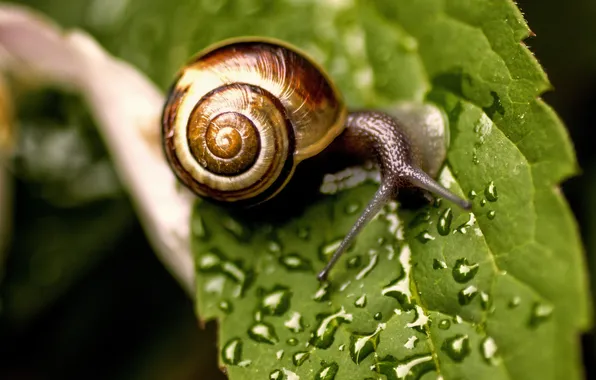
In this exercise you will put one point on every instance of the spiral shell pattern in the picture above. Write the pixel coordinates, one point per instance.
(243, 114)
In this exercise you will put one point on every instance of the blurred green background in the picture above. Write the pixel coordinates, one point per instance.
(94, 302)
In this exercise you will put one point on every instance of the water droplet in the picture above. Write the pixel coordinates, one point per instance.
(324, 333)
(488, 349)
(234, 228)
(463, 228)
(354, 262)
(225, 306)
(342, 347)
(263, 332)
(279, 354)
(420, 218)
(304, 233)
(300, 357)
(444, 324)
(438, 202)
(362, 345)
(295, 323)
(457, 347)
(424, 237)
(411, 343)
(439, 264)
(328, 371)
(276, 375)
(463, 271)
(472, 194)
(276, 301)
(361, 301)
(198, 227)
(491, 192)
(328, 249)
(289, 375)
(231, 353)
(411, 368)
(274, 246)
(457, 320)
(483, 202)
(378, 316)
(215, 262)
(466, 295)
(294, 262)
(373, 258)
(485, 300)
(491, 214)
(540, 314)
(352, 208)
(515, 301)
(444, 224)
(292, 342)
(322, 294)
(209, 262)
(258, 316)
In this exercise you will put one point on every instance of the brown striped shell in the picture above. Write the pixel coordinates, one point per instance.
(241, 115)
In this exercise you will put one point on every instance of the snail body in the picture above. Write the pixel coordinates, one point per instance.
(242, 114)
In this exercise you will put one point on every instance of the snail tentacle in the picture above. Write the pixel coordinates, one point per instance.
(379, 135)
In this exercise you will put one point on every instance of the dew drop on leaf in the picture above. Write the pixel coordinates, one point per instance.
(457, 347)
(438, 202)
(444, 324)
(444, 223)
(292, 342)
(225, 306)
(294, 324)
(420, 218)
(540, 313)
(352, 208)
(491, 214)
(463, 271)
(279, 354)
(274, 247)
(483, 202)
(411, 343)
(362, 345)
(328, 249)
(354, 262)
(424, 237)
(276, 301)
(322, 294)
(515, 302)
(411, 368)
(342, 347)
(361, 301)
(328, 371)
(439, 264)
(300, 357)
(323, 334)
(491, 192)
(472, 194)
(466, 295)
(378, 316)
(372, 263)
(276, 375)
(485, 300)
(235, 228)
(231, 353)
(263, 333)
(488, 349)
(294, 262)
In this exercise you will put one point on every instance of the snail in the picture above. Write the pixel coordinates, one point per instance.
(243, 113)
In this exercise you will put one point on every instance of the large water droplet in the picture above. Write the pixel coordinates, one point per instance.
(491, 192)
(324, 333)
(300, 357)
(295, 323)
(215, 262)
(463, 271)
(410, 368)
(488, 349)
(540, 313)
(362, 345)
(294, 262)
(361, 301)
(411, 343)
(231, 353)
(276, 301)
(263, 332)
(444, 223)
(424, 237)
(466, 295)
(328, 371)
(457, 347)
(276, 375)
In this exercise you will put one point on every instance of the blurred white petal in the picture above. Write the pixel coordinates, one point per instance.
(127, 109)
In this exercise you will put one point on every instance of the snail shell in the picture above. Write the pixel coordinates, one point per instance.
(241, 115)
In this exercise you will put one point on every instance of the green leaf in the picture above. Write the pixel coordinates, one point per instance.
(499, 293)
